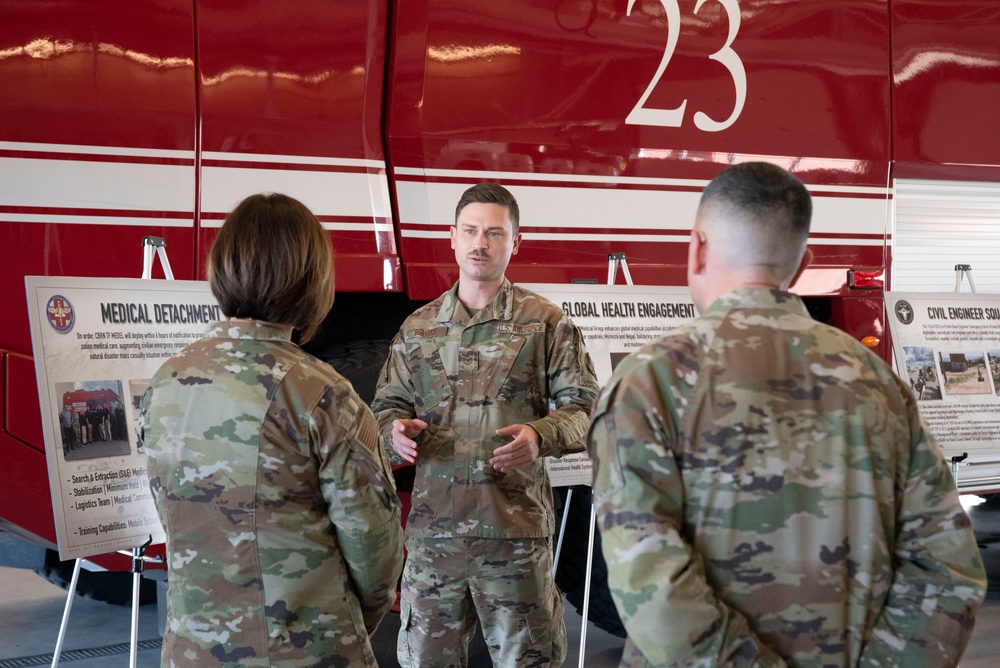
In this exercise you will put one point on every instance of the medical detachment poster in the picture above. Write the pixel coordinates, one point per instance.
(96, 344)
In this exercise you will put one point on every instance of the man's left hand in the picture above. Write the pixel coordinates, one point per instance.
(522, 450)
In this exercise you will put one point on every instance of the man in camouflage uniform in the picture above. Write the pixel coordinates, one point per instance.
(766, 490)
(465, 395)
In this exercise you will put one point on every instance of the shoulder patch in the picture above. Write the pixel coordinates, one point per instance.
(368, 432)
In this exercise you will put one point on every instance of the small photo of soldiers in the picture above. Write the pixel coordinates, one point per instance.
(92, 419)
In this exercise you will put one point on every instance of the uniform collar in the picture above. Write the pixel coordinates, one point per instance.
(501, 308)
(765, 298)
(245, 329)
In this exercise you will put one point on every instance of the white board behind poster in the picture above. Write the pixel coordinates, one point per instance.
(96, 343)
(616, 320)
(947, 347)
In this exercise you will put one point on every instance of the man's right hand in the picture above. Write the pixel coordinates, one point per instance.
(403, 433)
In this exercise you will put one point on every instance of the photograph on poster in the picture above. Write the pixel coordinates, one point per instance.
(964, 373)
(136, 388)
(993, 359)
(616, 358)
(92, 419)
(921, 373)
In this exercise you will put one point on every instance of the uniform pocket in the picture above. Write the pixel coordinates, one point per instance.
(405, 611)
(507, 381)
(547, 632)
(539, 625)
(603, 447)
(403, 654)
(434, 386)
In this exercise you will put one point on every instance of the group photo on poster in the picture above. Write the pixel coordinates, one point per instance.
(921, 372)
(92, 419)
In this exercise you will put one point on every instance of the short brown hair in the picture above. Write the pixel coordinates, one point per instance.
(490, 193)
(273, 261)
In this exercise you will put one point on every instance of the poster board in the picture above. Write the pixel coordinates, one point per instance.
(96, 342)
(947, 348)
(616, 320)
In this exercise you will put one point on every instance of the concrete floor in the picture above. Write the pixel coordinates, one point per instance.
(98, 634)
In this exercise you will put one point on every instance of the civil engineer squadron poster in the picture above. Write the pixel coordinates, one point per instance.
(947, 349)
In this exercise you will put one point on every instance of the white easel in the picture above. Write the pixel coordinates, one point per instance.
(138, 554)
(157, 244)
(615, 260)
(961, 270)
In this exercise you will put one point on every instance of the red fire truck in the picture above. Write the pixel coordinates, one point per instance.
(126, 118)
(80, 400)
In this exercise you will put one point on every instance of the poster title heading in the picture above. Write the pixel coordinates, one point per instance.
(963, 313)
(628, 309)
(120, 313)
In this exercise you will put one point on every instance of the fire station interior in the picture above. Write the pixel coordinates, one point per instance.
(34, 583)
(33, 598)
(126, 118)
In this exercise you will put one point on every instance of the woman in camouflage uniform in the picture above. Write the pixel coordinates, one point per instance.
(284, 543)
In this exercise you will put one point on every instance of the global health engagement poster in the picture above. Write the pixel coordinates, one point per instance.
(616, 320)
(96, 344)
(947, 348)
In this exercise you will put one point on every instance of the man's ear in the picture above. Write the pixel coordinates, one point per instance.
(696, 252)
(454, 233)
(517, 243)
(806, 260)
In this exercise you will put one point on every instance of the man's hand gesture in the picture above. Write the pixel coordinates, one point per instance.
(403, 434)
(519, 452)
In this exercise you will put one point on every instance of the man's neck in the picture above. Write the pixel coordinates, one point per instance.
(474, 295)
(724, 282)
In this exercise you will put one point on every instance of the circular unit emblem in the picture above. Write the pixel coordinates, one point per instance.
(60, 314)
(904, 312)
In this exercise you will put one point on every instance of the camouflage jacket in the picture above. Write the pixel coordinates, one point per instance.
(768, 495)
(469, 376)
(283, 531)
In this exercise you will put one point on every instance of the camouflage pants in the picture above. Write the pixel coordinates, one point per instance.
(506, 583)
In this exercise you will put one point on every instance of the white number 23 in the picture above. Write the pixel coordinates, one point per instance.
(674, 118)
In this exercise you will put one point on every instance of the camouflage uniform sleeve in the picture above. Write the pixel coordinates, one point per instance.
(572, 386)
(361, 498)
(656, 579)
(393, 396)
(939, 580)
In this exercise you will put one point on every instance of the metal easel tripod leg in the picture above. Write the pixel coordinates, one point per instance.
(70, 592)
(615, 261)
(964, 271)
(159, 246)
(138, 566)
